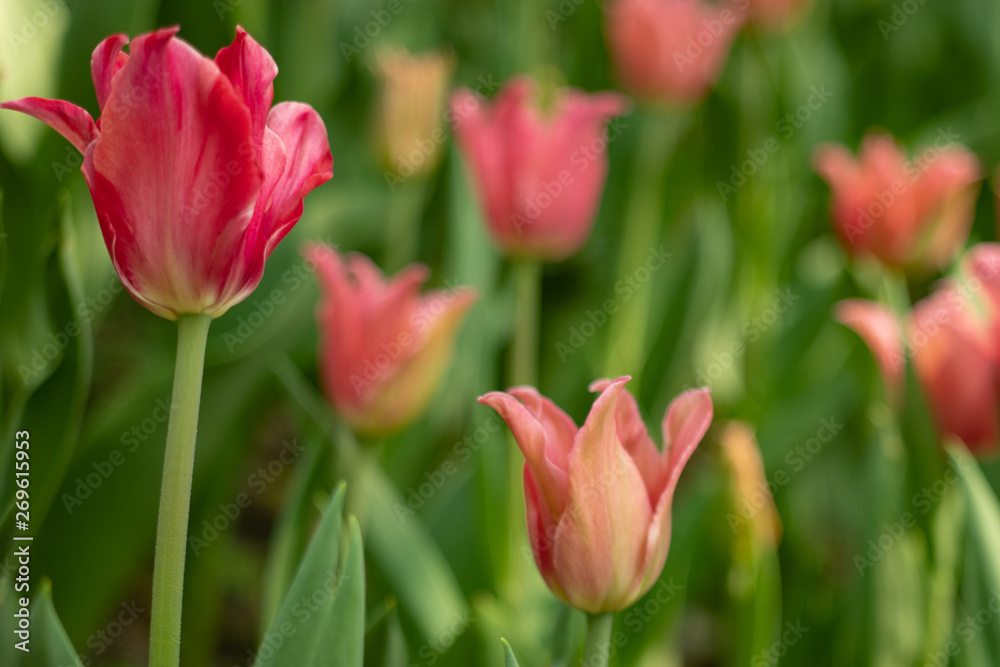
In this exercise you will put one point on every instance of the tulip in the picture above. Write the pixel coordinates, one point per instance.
(383, 347)
(599, 497)
(539, 175)
(670, 51)
(753, 500)
(195, 177)
(982, 269)
(411, 113)
(955, 359)
(904, 213)
(878, 328)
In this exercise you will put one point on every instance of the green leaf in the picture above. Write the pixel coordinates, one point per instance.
(508, 653)
(322, 620)
(50, 647)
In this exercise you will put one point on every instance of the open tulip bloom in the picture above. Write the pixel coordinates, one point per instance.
(599, 497)
(195, 178)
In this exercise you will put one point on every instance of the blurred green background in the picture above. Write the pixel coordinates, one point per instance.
(436, 590)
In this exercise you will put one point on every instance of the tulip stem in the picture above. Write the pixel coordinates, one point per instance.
(405, 207)
(597, 650)
(524, 349)
(175, 492)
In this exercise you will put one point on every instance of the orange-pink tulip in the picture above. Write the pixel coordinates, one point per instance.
(539, 175)
(905, 213)
(670, 50)
(955, 358)
(599, 497)
(384, 347)
(195, 176)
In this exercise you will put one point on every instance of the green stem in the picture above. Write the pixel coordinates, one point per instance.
(597, 651)
(659, 130)
(175, 492)
(524, 349)
(405, 206)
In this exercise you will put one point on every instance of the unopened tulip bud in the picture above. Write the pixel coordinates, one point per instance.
(599, 497)
(384, 347)
(753, 500)
(411, 110)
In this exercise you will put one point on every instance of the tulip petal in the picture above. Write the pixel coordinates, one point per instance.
(106, 61)
(634, 436)
(601, 538)
(560, 429)
(531, 426)
(308, 165)
(251, 70)
(69, 120)
(879, 330)
(685, 424)
(541, 533)
(173, 175)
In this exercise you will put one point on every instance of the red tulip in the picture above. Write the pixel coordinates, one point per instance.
(904, 213)
(599, 497)
(194, 176)
(383, 347)
(878, 328)
(670, 50)
(956, 361)
(539, 175)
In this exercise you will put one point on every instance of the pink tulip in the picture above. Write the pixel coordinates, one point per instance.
(904, 213)
(194, 176)
(383, 347)
(956, 361)
(982, 269)
(599, 497)
(670, 50)
(539, 175)
(879, 329)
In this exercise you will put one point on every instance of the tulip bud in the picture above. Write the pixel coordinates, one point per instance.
(955, 358)
(906, 213)
(670, 51)
(383, 347)
(411, 111)
(195, 176)
(599, 497)
(753, 500)
(539, 176)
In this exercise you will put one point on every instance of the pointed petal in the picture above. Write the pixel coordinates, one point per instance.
(251, 69)
(532, 438)
(541, 533)
(601, 537)
(69, 120)
(106, 60)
